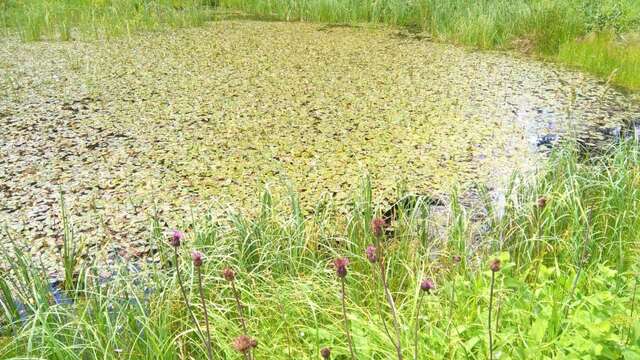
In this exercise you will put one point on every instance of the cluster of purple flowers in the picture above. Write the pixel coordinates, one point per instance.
(243, 343)
(373, 253)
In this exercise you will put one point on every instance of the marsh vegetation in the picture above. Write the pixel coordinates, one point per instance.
(183, 179)
(237, 106)
(598, 36)
(565, 286)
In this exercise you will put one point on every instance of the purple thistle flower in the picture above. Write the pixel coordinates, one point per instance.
(325, 353)
(427, 285)
(457, 259)
(495, 265)
(176, 238)
(377, 226)
(341, 266)
(372, 253)
(244, 344)
(541, 202)
(228, 274)
(197, 257)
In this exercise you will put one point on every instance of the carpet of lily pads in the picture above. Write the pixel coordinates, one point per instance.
(168, 124)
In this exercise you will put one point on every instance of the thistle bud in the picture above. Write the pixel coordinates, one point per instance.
(244, 344)
(495, 265)
(372, 254)
(377, 226)
(427, 285)
(541, 202)
(228, 274)
(197, 257)
(341, 266)
(176, 238)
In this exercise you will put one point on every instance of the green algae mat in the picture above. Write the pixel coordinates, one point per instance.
(169, 124)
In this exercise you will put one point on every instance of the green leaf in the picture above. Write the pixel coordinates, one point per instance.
(538, 329)
(630, 354)
(469, 344)
(11, 309)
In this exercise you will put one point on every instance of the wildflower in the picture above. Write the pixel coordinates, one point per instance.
(325, 353)
(495, 265)
(372, 253)
(341, 267)
(457, 259)
(228, 274)
(197, 257)
(341, 271)
(377, 226)
(427, 285)
(244, 344)
(176, 238)
(541, 202)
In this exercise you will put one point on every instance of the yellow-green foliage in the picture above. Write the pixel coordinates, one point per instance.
(567, 287)
(546, 26)
(237, 105)
(607, 56)
(550, 26)
(70, 19)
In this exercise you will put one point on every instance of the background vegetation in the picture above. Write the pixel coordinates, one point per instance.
(567, 241)
(566, 238)
(70, 19)
(562, 30)
(599, 36)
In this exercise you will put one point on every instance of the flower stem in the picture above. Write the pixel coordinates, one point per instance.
(493, 275)
(184, 293)
(384, 323)
(633, 303)
(206, 315)
(346, 321)
(236, 295)
(453, 301)
(417, 325)
(243, 323)
(394, 315)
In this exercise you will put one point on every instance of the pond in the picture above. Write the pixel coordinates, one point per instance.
(168, 124)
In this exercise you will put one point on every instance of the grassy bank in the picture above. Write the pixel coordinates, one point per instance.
(565, 286)
(560, 30)
(553, 29)
(73, 19)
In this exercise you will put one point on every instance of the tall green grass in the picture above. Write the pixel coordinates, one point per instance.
(565, 288)
(547, 27)
(602, 56)
(69, 19)
(554, 29)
